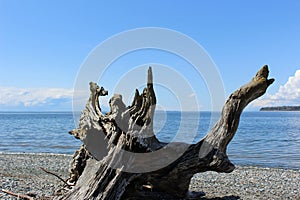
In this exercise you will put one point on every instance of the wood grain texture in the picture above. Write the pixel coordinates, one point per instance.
(122, 159)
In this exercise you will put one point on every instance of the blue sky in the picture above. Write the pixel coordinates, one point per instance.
(44, 43)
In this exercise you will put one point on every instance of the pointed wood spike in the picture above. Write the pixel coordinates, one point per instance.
(135, 100)
(136, 95)
(150, 76)
(263, 72)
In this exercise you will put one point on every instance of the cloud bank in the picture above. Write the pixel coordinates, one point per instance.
(61, 98)
(287, 94)
(31, 97)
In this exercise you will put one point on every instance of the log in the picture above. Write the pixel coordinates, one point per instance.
(121, 158)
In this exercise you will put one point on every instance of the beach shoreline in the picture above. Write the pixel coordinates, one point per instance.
(21, 173)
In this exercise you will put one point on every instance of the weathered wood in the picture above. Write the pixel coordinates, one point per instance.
(22, 196)
(127, 161)
(57, 176)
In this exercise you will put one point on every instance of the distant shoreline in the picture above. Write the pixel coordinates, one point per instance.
(281, 108)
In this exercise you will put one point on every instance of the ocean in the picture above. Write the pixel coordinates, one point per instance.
(267, 139)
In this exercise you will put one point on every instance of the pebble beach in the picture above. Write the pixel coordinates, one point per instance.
(21, 173)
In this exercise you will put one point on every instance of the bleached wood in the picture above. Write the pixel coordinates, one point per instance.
(108, 139)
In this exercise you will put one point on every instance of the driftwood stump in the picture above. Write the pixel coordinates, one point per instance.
(121, 158)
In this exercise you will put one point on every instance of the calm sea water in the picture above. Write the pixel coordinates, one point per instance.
(270, 139)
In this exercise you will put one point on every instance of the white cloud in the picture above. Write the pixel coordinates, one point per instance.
(192, 95)
(287, 94)
(12, 96)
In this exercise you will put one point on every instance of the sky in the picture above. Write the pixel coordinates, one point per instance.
(44, 45)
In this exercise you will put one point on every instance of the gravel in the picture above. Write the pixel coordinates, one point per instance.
(249, 182)
(21, 173)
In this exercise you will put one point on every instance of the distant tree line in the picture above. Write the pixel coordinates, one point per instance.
(281, 108)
